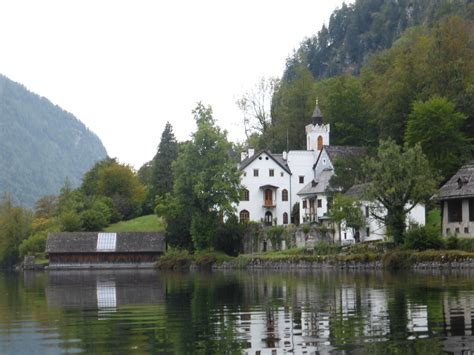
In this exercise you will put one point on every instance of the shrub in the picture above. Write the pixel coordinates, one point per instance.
(174, 259)
(466, 244)
(35, 244)
(325, 248)
(397, 260)
(229, 236)
(422, 238)
(93, 220)
(452, 242)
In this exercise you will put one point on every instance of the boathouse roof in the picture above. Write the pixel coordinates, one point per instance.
(98, 242)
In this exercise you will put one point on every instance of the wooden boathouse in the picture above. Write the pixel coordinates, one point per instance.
(84, 250)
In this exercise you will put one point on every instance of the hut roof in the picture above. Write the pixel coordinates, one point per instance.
(92, 242)
(461, 185)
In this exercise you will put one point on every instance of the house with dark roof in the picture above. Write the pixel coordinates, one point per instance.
(79, 250)
(457, 203)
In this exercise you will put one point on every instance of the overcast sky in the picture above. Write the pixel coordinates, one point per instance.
(124, 68)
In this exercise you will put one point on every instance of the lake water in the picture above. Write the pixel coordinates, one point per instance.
(141, 312)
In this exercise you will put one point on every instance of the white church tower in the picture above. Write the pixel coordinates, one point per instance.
(317, 133)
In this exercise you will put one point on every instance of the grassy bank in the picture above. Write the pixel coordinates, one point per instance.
(393, 259)
(150, 223)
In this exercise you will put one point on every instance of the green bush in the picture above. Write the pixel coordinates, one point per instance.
(174, 259)
(452, 242)
(325, 248)
(229, 236)
(397, 260)
(93, 220)
(422, 238)
(34, 245)
(466, 244)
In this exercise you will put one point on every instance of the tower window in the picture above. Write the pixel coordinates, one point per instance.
(320, 142)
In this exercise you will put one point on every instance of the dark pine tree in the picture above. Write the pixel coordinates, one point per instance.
(162, 176)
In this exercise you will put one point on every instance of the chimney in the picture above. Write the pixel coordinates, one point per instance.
(243, 156)
(251, 152)
(285, 155)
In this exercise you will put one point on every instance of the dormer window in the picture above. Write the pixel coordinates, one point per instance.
(462, 180)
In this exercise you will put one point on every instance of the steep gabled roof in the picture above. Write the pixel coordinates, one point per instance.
(335, 152)
(317, 186)
(356, 191)
(86, 242)
(277, 158)
(461, 185)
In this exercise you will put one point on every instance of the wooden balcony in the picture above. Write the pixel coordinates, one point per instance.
(269, 204)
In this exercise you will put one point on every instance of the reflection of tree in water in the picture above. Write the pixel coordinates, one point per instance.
(249, 311)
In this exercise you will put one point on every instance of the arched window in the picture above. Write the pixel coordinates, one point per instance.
(320, 142)
(268, 218)
(285, 218)
(244, 195)
(284, 195)
(244, 216)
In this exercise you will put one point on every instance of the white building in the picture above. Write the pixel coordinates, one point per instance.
(374, 228)
(272, 181)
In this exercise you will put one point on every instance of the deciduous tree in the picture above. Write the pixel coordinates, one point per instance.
(398, 180)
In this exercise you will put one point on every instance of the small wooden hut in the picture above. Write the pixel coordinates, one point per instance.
(104, 250)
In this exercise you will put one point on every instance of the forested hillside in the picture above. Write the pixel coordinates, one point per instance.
(355, 32)
(41, 145)
(420, 90)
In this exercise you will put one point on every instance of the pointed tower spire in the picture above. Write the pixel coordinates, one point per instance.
(317, 115)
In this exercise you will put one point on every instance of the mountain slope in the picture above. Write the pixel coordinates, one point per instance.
(41, 145)
(357, 31)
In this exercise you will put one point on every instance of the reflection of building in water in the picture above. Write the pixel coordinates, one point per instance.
(106, 296)
(458, 315)
(302, 327)
(367, 306)
(103, 290)
(417, 315)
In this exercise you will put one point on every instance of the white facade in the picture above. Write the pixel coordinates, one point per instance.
(257, 205)
(291, 172)
(374, 228)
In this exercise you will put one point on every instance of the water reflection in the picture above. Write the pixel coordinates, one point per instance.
(236, 312)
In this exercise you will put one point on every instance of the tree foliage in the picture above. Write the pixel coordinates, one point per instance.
(348, 210)
(398, 181)
(437, 127)
(15, 227)
(206, 182)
